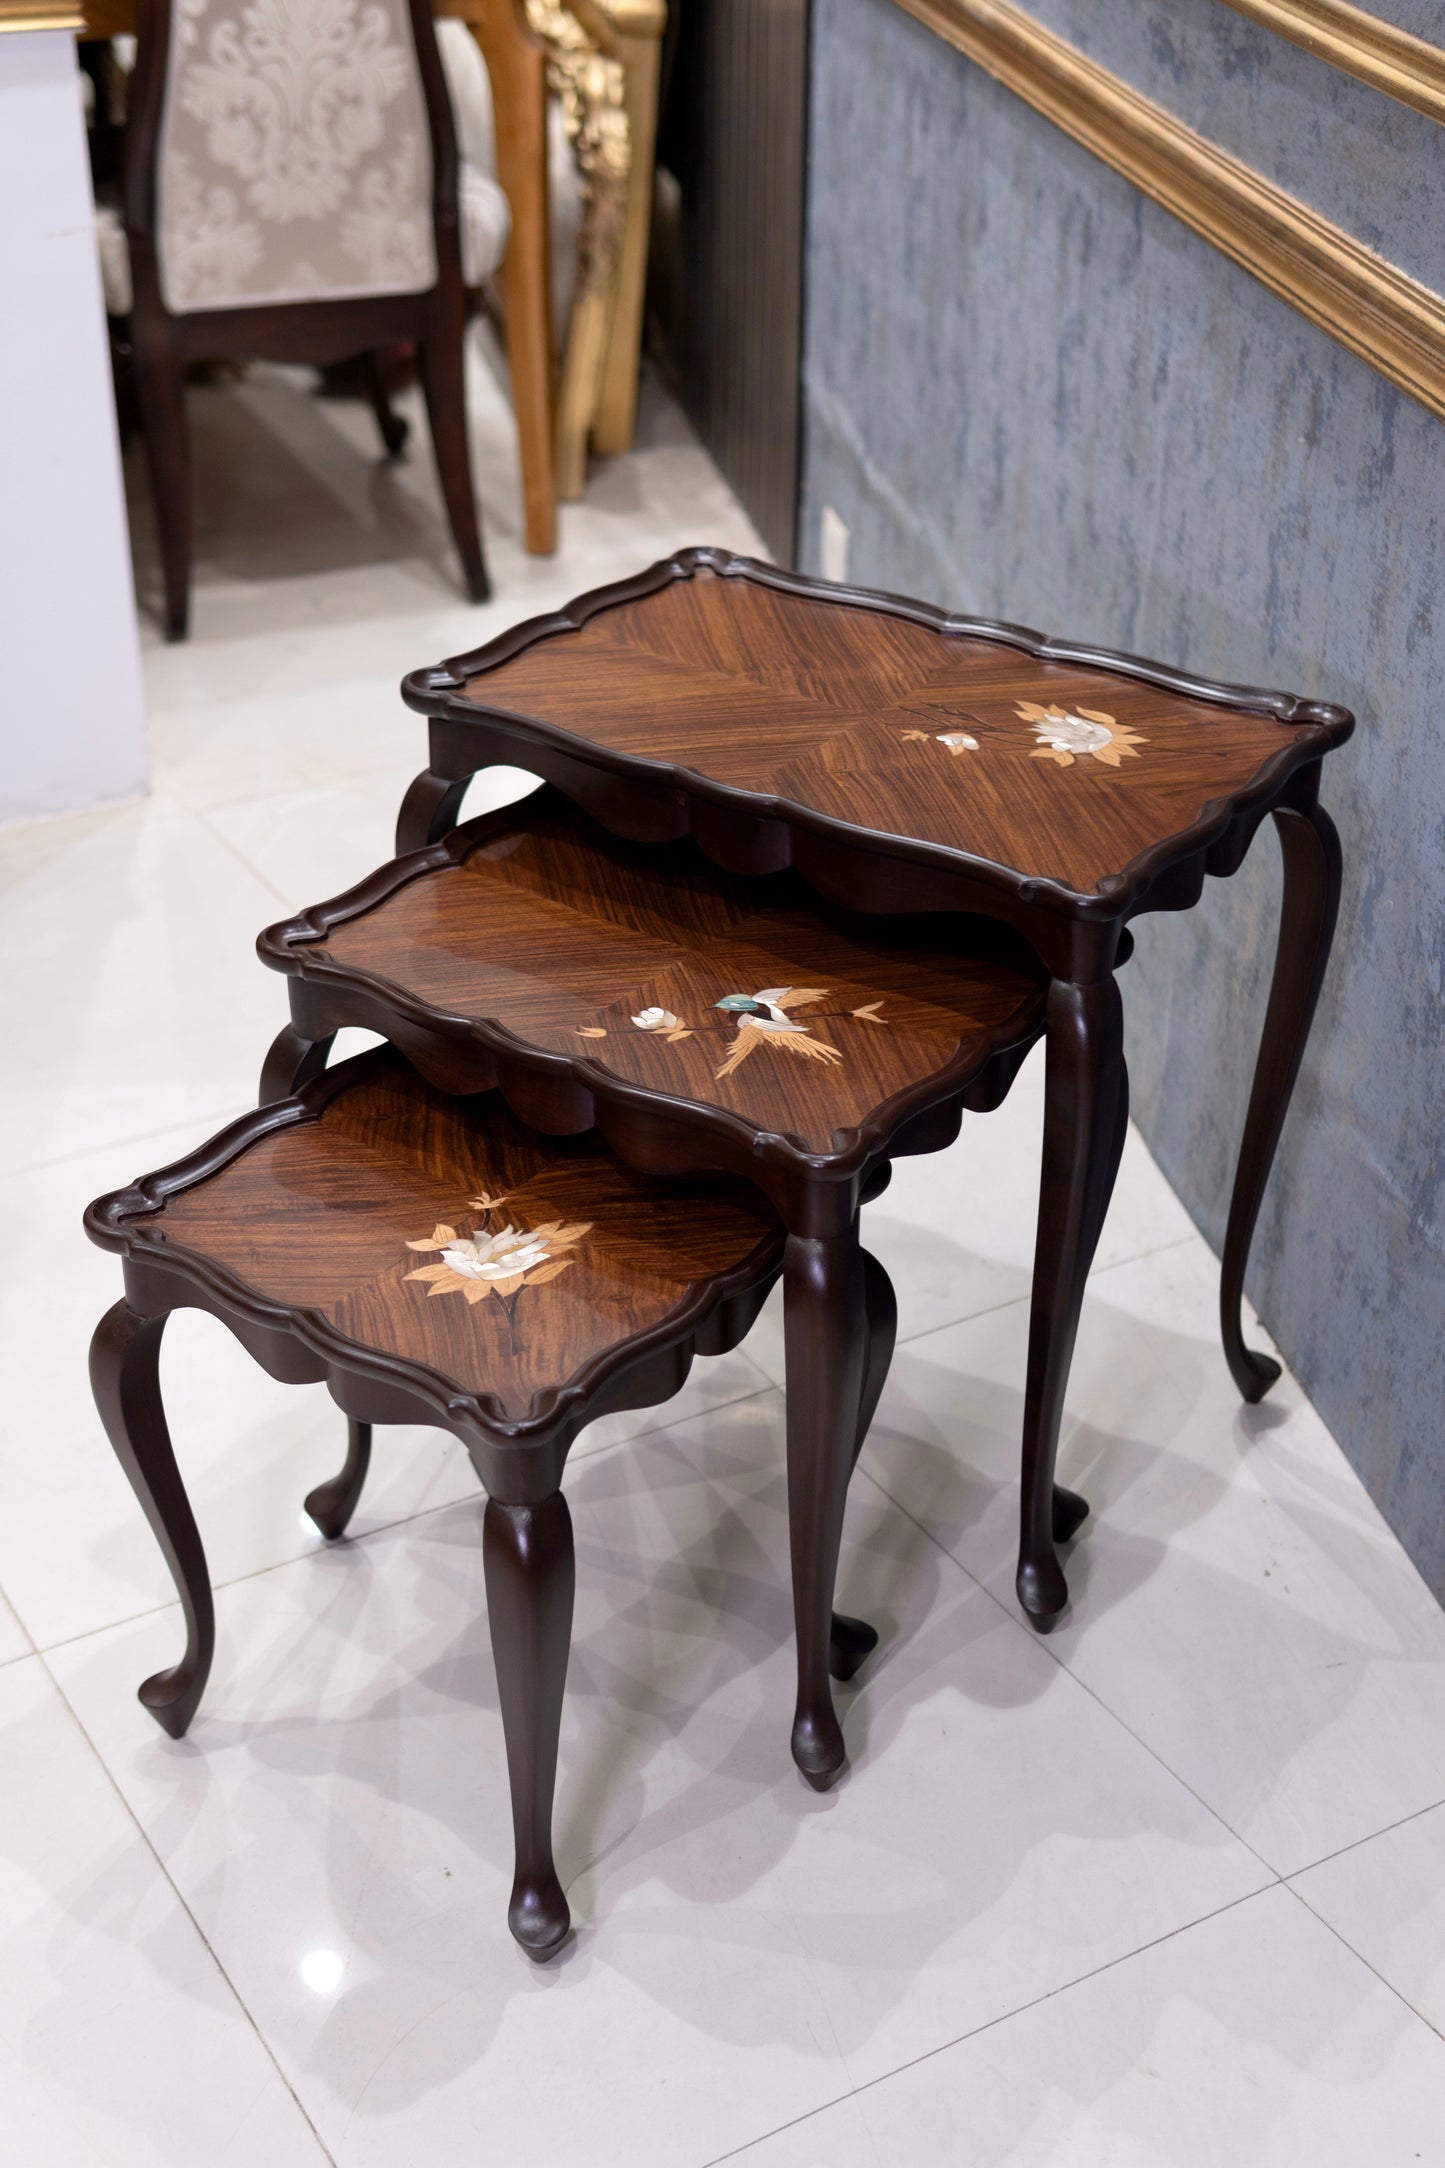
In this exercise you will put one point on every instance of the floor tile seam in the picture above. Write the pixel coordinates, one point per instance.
(325, 1547)
(220, 836)
(317, 788)
(164, 1872)
(1361, 1959)
(1341, 1851)
(215, 1120)
(30, 1648)
(1016, 1302)
(1043, 1643)
(1004, 2017)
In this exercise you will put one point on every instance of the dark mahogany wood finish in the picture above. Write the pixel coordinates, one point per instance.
(320, 1229)
(301, 331)
(906, 760)
(699, 1020)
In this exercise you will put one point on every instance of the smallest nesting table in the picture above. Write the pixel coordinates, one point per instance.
(434, 1261)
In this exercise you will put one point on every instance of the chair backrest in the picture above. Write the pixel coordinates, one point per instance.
(296, 150)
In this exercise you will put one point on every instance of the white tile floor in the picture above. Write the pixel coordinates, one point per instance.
(1160, 1892)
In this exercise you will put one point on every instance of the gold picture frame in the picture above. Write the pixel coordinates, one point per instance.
(1380, 313)
(1403, 66)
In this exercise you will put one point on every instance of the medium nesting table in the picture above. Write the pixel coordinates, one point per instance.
(700, 1021)
(904, 762)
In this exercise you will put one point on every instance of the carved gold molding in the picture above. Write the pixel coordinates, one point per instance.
(1388, 319)
(39, 15)
(1403, 66)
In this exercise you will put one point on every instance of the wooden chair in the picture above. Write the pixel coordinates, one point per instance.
(291, 193)
(434, 1261)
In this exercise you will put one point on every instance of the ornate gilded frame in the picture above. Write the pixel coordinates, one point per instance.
(1390, 320)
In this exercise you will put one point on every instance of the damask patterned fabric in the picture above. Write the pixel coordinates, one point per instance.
(295, 157)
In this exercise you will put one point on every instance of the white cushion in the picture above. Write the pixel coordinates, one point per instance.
(471, 96)
(114, 259)
(486, 223)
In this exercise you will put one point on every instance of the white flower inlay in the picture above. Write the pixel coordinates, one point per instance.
(496, 1257)
(958, 741)
(656, 1020)
(1072, 734)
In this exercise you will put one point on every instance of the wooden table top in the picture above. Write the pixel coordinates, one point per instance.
(372, 1214)
(535, 940)
(1057, 768)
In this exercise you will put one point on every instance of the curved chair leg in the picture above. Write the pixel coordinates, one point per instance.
(1308, 911)
(443, 379)
(428, 811)
(161, 394)
(291, 1061)
(531, 1576)
(333, 1502)
(394, 427)
(124, 1378)
(824, 1334)
(1086, 1110)
(851, 1639)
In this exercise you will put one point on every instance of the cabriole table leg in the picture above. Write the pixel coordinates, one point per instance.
(124, 1377)
(825, 1335)
(852, 1639)
(531, 1578)
(1308, 910)
(1085, 1122)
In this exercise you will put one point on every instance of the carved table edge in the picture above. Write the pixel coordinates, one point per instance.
(295, 947)
(1321, 726)
(118, 1221)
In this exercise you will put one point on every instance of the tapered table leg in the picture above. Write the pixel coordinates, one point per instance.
(825, 1335)
(531, 1577)
(1308, 911)
(124, 1377)
(1085, 1118)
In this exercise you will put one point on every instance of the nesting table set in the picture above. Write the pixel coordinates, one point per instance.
(808, 872)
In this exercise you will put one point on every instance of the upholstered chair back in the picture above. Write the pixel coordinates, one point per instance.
(294, 156)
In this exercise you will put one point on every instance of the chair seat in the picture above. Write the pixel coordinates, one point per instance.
(483, 211)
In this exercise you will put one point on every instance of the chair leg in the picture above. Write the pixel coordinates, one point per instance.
(1085, 1118)
(518, 69)
(333, 1502)
(851, 1639)
(443, 378)
(161, 395)
(291, 1061)
(394, 427)
(531, 1578)
(1308, 911)
(824, 1336)
(124, 1377)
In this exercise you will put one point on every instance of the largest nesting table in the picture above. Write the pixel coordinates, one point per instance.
(906, 761)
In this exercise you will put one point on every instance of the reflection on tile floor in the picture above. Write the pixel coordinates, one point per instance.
(1042, 1921)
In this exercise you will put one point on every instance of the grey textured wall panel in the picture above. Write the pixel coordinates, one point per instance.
(1030, 392)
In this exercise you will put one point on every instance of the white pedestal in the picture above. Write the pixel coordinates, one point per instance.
(72, 726)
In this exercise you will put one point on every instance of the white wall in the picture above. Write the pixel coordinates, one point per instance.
(71, 722)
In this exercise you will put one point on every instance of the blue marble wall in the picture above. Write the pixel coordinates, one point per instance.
(1030, 392)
